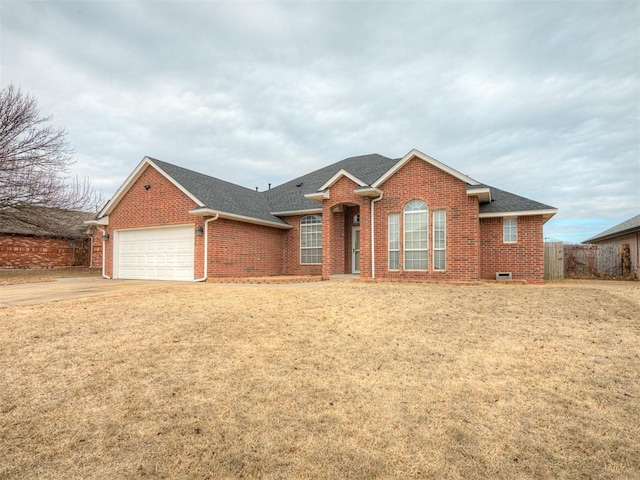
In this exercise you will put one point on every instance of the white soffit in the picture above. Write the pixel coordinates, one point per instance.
(368, 192)
(318, 196)
(99, 221)
(309, 211)
(483, 194)
(550, 212)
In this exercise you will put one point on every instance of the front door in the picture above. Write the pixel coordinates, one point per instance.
(355, 255)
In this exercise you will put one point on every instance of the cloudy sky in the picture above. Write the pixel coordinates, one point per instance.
(539, 98)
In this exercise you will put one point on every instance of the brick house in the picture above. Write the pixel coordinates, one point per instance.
(410, 218)
(38, 237)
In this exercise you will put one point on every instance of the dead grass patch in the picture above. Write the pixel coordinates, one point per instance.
(330, 380)
(32, 275)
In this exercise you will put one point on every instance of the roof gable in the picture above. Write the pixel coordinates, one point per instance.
(426, 158)
(131, 179)
(338, 176)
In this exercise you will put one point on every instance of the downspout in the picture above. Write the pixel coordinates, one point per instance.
(104, 253)
(373, 236)
(91, 251)
(206, 247)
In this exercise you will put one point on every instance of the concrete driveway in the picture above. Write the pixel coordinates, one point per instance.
(64, 288)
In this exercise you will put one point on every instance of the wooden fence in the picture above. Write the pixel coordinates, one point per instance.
(592, 261)
(584, 261)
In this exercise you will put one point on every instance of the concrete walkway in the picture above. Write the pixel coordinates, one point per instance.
(343, 277)
(64, 288)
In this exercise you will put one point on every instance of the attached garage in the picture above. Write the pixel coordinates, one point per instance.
(163, 253)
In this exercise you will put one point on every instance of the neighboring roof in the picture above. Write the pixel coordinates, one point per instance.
(628, 226)
(44, 222)
(213, 195)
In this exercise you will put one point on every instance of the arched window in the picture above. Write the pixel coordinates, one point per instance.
(416, 235)
(311, 240)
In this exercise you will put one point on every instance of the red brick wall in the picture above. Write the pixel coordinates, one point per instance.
(524, 259)
(96, 253)
(17, 251)
(291, 251)
(162, 204)
(238, 249)
(336, 232)
(440, 191)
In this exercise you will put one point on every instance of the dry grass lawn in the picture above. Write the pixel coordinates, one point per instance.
(27, 275)
(331, 380)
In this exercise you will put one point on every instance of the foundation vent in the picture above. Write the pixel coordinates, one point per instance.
(504, 276)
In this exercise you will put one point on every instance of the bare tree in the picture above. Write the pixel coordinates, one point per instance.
(35, 159)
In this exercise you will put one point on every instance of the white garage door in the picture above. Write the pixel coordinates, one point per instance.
(155, 253)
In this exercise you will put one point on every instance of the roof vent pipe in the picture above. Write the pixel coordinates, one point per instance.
(269, 186)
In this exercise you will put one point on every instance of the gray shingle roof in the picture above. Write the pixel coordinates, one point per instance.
(502, 202)
(289, 196)
(628, 226)
(219, 195)
(227, 197)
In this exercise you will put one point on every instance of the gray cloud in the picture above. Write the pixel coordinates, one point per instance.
(538, 98)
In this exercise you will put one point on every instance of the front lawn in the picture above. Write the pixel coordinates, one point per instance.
(330, 380)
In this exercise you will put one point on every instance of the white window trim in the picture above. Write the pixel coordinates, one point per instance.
(397, 240)
(310, 248)
(404, 238)
(504, 226)
(440, 249)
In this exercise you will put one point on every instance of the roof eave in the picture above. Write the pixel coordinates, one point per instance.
(209, 212)
(545, 213)
(368, 192)
(483, 194)
(98, 221)
(317, 196)
(290, 213)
